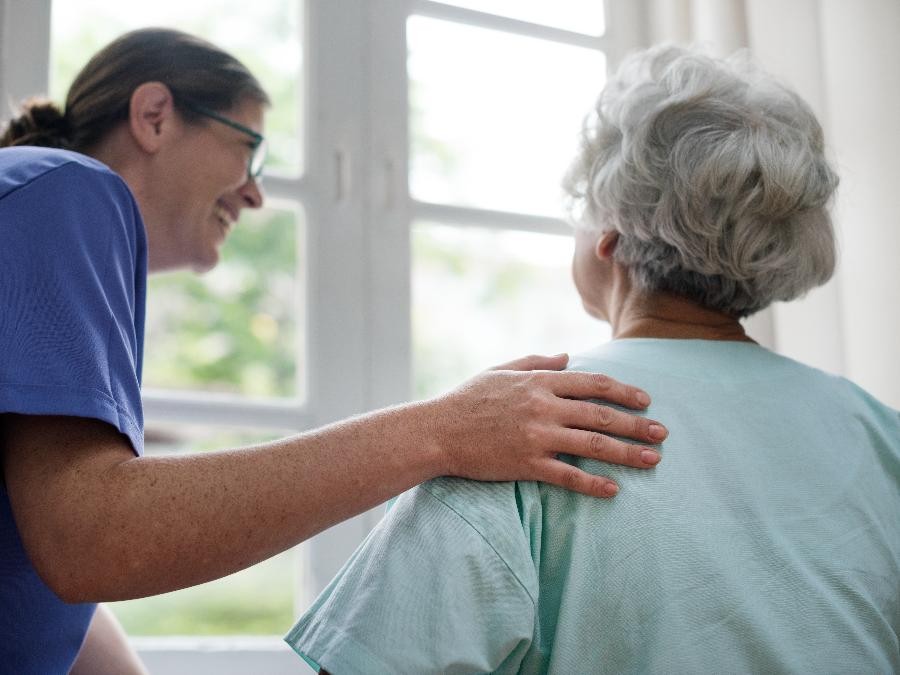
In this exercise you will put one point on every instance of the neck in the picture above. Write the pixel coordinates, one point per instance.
(117, 151)
(634, 313)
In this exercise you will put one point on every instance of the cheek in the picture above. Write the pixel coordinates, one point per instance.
(582, 259)
(576, 270)
(591, 277)
(581, 275)
(237, 174)
(233, 167)
(229, 173)
(216, 172)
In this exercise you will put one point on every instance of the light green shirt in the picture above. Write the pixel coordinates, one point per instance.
(766, 541)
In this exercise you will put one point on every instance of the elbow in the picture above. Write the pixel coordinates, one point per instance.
(70, 593)
(76, 557)
(68, 577)
(79, 582)
(74, 571)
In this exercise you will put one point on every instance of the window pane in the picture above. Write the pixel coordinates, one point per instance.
(265, 36)
(482, 297)
(581, 16)
(255, 601)
(236, 329)
(496, 125)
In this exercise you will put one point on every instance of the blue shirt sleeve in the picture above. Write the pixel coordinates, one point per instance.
(72, 292)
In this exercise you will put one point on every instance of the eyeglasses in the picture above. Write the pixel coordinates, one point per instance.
(260, 147)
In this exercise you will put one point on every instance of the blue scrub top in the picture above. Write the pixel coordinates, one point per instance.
(73, 268)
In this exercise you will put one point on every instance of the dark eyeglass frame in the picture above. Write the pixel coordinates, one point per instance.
(260, 146)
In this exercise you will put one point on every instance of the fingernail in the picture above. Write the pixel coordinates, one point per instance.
(658, 432)
(610, 490)
(643, 399)
(650, 457)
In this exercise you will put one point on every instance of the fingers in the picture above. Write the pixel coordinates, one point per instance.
(536, 362)
(573, 384)
(593, 417)
(607, 449)
(572, 478)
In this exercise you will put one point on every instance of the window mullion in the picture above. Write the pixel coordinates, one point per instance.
(464, 216)
(473, 17)
(24, 50)
(388, 209)
(339, 318)
(337, 330)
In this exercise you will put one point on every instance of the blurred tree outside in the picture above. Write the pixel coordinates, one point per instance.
(233, 329)
(483, 296)
(494, 127)
(255, 601)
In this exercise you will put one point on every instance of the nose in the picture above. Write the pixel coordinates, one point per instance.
(251, 193)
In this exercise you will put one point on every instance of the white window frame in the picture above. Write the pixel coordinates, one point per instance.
(355, 194)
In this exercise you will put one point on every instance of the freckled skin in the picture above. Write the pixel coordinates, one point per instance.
(101, 524)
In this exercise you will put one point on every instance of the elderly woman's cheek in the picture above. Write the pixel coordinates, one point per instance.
(590, 280)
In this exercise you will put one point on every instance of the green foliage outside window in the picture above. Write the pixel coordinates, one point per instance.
(233, 329)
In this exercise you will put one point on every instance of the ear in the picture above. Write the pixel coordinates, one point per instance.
(151, 115)
(606, 245)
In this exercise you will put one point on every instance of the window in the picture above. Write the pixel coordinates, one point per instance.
(412, 236)
(492, 132)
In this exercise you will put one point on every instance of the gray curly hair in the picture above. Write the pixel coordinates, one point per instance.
(715, 177)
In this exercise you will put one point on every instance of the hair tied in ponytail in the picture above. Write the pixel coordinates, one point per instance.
(41, 123)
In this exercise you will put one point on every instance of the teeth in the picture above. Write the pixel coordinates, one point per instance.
(223, 216)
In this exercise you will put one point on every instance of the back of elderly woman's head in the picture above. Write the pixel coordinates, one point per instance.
(715, 178)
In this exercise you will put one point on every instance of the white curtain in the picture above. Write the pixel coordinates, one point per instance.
(844, 59)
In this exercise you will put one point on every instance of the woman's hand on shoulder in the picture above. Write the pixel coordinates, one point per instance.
(511, 422)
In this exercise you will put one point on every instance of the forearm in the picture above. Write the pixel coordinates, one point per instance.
(101, 524)
(106, 650)
(157, 524)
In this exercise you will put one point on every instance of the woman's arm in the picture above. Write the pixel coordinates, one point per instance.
(106, 650)
(101, 524)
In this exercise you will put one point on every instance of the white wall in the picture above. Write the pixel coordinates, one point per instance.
(809, 330)
(24, 50)
(861, 61)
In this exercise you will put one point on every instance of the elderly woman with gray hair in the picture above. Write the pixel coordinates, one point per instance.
(700, 196)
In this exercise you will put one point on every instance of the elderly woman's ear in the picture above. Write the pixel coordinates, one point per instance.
(606, 245)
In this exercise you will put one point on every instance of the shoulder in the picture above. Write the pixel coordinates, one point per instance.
(33, 171)
(867, 406)
(65, 199)
(626, 358)
(823, 387)
(21, 166)
(499, 514)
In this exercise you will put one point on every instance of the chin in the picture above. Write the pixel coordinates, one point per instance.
(205, 262)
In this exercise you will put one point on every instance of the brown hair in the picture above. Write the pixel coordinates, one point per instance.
(195, 71)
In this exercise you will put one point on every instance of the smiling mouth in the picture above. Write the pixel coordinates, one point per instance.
(225, 217)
